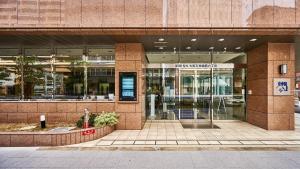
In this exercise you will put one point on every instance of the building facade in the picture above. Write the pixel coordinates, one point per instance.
(188, 60)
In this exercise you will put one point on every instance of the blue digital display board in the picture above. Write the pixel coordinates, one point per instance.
(127, 86)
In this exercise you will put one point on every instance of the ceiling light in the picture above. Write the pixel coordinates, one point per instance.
(188, 48)
(194, 40)
(238, 48)
(221, 40)
(160, 42)
(252, 40)
(161, 39)
(211, 48)
(161, 48)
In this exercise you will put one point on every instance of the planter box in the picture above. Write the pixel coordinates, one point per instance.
(30, 139)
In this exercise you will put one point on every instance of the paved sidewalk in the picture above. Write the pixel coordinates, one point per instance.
(166, 132)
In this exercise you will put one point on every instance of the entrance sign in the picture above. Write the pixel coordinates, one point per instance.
(282, 86)
(193, 65)
(204, 65)
(127, 84)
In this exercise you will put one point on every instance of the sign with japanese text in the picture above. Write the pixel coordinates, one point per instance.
(282, 86)
(88, 132)
(204, 65)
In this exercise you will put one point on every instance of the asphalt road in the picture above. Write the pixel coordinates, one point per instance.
(33, 158)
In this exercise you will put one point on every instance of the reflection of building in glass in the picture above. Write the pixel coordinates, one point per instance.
(61, 76)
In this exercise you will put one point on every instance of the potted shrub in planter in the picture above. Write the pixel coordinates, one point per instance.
(108, 119)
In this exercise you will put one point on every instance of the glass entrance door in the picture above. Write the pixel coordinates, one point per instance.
(181, 93)
(194, 94)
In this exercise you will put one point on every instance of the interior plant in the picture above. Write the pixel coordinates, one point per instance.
(106, 119)
(79, 123)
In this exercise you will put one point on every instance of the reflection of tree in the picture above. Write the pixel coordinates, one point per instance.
(76, 77)
(32, 74)
(3, 74)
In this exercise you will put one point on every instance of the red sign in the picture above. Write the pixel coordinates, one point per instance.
(88, 132)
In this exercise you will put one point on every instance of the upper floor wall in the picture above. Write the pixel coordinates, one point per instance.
(150, 13)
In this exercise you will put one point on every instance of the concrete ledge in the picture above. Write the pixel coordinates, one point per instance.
(30, 139)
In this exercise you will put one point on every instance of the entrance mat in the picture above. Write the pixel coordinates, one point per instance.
(199, 126)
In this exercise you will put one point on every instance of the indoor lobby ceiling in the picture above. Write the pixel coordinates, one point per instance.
(192, 57)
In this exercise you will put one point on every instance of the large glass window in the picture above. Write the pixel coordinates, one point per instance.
(10, 75)
(37, 73)
(69, 74)
(59, 73)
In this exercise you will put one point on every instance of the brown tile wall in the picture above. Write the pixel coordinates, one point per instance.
(130, 57)
(263, 108)
(29, 112)
(150, 13)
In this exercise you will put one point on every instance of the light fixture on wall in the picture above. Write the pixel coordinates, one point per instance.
(283, 69)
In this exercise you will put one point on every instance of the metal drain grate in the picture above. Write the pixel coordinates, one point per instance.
(199, 126)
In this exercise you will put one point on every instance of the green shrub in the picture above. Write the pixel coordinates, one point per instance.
(106, 119)
(79, 123)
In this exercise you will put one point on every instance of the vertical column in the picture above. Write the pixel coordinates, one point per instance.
(265, 108)
(130, 57)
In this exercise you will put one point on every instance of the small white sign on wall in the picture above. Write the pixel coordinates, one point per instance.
(282, 86)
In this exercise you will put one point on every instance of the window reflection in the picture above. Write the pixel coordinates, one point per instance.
(62, 73)
(101, 83)
(10, 81)
(69, 74)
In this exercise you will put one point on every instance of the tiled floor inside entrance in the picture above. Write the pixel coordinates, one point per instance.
(166, 132)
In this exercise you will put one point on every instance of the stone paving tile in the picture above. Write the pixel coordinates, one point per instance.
(140, 142)
(208, 142)
(150, 142)
(251, 142)
(230, 142)
(193, 142)
(182, 142)
(104, 143)
(123, 143)
(161, 142)
(272, 142)
(160, 132)
(291, 142)
(171, 143)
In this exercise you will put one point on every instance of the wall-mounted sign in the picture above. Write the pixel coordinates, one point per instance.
(127, 86)
(204, 65)
(192, 65)
(282, 86)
